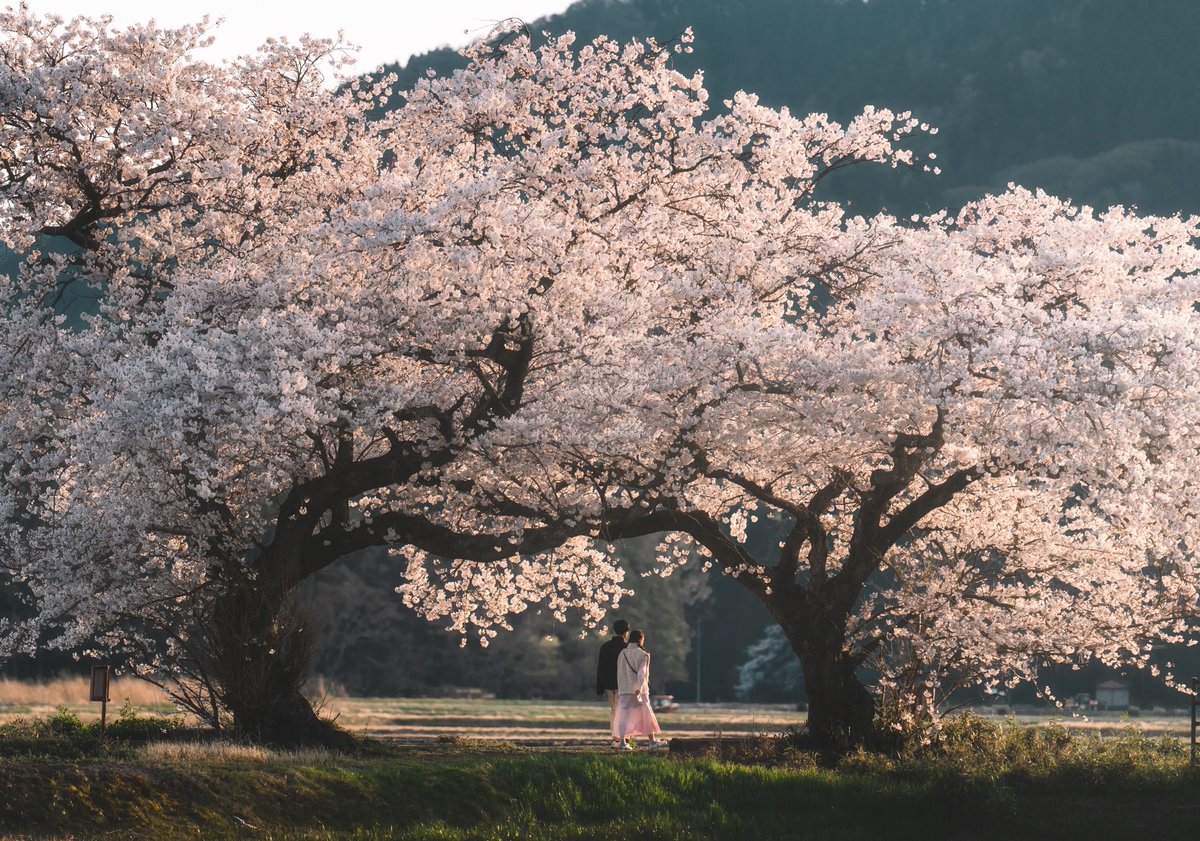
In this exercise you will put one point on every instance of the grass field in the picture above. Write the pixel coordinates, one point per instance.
(484, 770)
(1045, 788)
(544, 723)
(566, 722)
(560, 723)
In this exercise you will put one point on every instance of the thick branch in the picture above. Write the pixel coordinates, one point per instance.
(870, 540)
(405, 529)
(933, 498)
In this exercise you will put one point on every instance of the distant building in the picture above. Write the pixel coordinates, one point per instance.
(1112, 695)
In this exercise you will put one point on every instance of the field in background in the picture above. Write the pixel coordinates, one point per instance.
(26, 698)
(581, 722)
(541, 723)
(563, 723)
(414, 720)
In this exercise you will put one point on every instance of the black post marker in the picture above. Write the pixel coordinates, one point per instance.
(100, 681)
(1195, 681)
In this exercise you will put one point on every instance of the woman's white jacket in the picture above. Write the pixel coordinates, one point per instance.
(633, 671)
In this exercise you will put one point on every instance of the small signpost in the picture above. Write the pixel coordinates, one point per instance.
(1195, 700)
(101, 676)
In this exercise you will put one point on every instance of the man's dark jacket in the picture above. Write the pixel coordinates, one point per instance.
(606, 670)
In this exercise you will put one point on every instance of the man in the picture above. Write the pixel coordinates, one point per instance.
(606, 669)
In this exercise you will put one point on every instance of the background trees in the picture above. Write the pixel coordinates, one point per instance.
(377, 646)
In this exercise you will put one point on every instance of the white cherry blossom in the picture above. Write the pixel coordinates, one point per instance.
(553, 301)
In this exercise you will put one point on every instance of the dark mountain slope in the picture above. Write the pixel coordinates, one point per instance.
(1095, 99)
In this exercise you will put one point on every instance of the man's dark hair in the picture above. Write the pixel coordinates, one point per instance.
(620, 627)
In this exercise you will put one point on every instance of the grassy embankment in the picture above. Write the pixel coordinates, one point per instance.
(980, 782)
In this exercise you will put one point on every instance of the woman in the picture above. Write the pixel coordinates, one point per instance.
(634, 716)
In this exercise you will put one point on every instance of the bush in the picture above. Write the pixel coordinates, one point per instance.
(131, 727)
(61, 735)
(64, 736)
(969, 754)
(65, 723)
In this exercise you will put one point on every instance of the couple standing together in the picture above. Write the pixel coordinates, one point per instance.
(623, 674)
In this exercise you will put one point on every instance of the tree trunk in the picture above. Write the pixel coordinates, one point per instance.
(261, 638)
(289, 720)
(841, 711)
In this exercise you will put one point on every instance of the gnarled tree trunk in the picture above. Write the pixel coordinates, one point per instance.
(841, 710)
(261, 639)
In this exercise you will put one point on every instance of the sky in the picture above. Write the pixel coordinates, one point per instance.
(387, 32)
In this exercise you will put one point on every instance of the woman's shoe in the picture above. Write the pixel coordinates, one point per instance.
(626, 746)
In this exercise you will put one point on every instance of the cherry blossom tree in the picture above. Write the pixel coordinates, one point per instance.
(549, 303)
(125, 167)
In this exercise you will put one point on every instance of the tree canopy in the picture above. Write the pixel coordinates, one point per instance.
(552, 302)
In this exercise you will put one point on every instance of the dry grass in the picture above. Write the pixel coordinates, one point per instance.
(68, 690)
(421, 720)
(217, 752)
(209, 752)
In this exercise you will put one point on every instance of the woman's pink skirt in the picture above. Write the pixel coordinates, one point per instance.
(634, 718)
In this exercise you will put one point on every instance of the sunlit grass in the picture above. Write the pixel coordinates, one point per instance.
(524, 722)
(541, 721)
(210, 753)
(70, 690)
(502, 720)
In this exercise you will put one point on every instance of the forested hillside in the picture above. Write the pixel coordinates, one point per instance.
(1092, 99)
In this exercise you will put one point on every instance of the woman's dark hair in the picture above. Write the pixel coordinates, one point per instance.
(636, 637)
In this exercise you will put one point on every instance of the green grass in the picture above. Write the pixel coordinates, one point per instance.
(978, 782)
(62, 735)
(477, 796)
